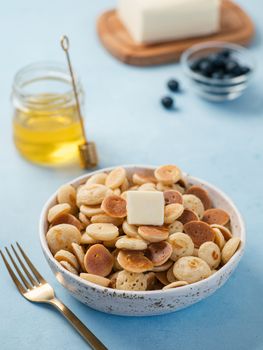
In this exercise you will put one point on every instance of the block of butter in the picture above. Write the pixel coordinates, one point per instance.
(145, 208)
(150, 21)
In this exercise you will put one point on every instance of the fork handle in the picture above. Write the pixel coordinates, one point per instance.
(90, 338)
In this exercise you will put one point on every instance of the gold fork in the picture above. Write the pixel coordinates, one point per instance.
(36, 289)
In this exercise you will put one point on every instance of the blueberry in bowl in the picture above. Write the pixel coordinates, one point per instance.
(218, 71)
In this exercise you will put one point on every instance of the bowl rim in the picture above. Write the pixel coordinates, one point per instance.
(211, 278)
(218, 44)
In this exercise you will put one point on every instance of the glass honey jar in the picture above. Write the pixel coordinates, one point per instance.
(46, 127)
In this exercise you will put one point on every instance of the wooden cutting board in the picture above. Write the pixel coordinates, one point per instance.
(236, 27)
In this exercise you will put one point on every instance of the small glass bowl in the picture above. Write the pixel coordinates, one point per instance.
(212, 89)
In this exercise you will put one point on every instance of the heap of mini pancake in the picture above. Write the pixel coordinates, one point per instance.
(90, 236)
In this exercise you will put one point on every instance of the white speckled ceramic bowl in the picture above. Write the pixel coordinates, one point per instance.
(131, 303)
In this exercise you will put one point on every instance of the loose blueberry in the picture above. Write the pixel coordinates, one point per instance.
(173, 85)
(167, 102)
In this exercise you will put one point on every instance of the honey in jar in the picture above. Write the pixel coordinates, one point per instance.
(46, 126)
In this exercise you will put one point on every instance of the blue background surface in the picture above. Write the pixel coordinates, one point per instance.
(221, 143)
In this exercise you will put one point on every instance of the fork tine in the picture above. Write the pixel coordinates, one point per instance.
(34, 282)
(12, 275)
(32, 267)
(27, 285)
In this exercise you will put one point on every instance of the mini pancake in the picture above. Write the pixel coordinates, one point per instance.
(125, 186)
(161, 187)
(97, 179)
(178, 188)
(87, 239)
(64, 255)
(124, 195)
(188, 216)
(134, 188)
(200, 232)
(153, 233)
(159, 252)
(151, 279)
(116, 265)
(115, 178)
(176, 226)
(149, 186)
(83, 219)
(216, 216)
(57, 210)
(210, 252)
(67, 194)
(130, 230)
(68, 219)
(174, 256)
(90, 211)
(141, 178)
(131, 243)
(193, 203)
(170, 275)
(172, 212)
(134, 261)
(168, 174)
(131, 281)
(68, 267)
(182, 244)
(79, 254)
(101, 281)
(113, 279)
(114, 206)
(92, 194)
(202, 194)
(61, 237)
(172, 196)
(98, 260)
(117, 192)
(191, 269)
(175, 284)
(163, 267)
(224, 230)
(102, 232)
(106, 219)
(219, 238)
(162, 277)
(230, 248)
